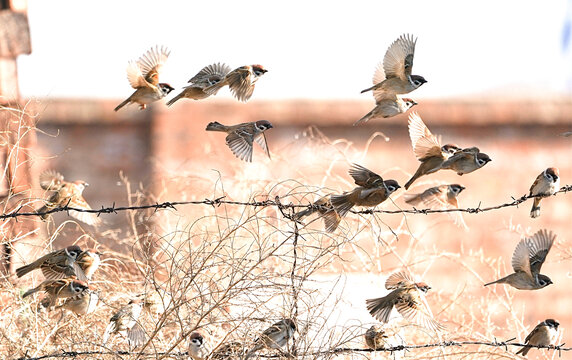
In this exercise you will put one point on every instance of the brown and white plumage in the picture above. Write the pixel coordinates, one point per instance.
(208, 76)
(126, 320)
(58, 289)
(375, 337)
(274, 337)
(324, 207)
(240, 137)
(82, 304)
(547, 183)
(440, 198)
(466, 161)
(55, 265)
(198, 349)
(408, 298)
(385, 108)
(527, 260)
(241, 81)
(543, 334)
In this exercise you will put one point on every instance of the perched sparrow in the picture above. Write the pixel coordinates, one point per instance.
(440, 197)
(143, 75)
(385, 108)
(58, 289)
(275, 337)
(466, 161)
(330, 216)
(527, 260)
(66, 194)
(427, 148)
(208, 76)
(546, 184)
(241, 81)
(198, 350)
(375, 337)
(230, 350)
(372, 190)
(82, 304)
(394, 75)
(408, 297)
(125, 320)
(240, 137)
(544, 334)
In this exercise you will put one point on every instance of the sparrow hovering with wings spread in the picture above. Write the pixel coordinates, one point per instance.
(323, 206)
(240, 137)
(546, 184)
(440, 198)
(126, 320)
(241, 81)
(208, 76)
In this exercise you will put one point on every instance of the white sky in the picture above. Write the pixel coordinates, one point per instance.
(312, 49)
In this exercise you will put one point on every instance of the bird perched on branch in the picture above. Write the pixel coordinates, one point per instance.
(441, 198)
(427, 148)
(466, 161)
(408, 298)
(241, 81)
(240, 137)
(372, 190)
(324, 207)
(527, 260)
(544, 334)
(126, 321)
(58, 289)
(66, 194)
(143, 76)
(546, 184)
(275, 337)
(208, 76)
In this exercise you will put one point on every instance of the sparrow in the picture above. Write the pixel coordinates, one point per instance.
(143, 75)
(440, 197)
(393, 76)
(275, 337)
(208, 76)
(241, 81)
(324, 207)
(408, 298)
(58, 289)
(240, 137)
(198, 350)
(546, 184)
(82, 304)
(544, 334)
(466, 161)
(66, 194)
(527, 260)
(55, 265)
(385, 108)
(372, 190)
(126, 320)
(375, 337)
(229, 350)
(427, 148)
(156, 301)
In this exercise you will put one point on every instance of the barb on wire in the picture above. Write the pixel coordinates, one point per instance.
(266, 203)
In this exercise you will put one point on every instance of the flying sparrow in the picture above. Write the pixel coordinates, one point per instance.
(66, 194)
(544, 334)
(375, 337)
(372, 190)
(427, 148)
(198, 350)
(408, 297)
(275, 337)
(527, 260)
(241, 81)
(82, 304)
(393, 76)
(240, 137)
(58, 289)
(208, 76)
(546, 184)
(126, 320)
(324, 207)
(143, 75)
(466, 161)
(440, 197)
(385, 108)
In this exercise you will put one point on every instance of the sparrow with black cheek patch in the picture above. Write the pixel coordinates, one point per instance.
(527, 260)
(466, 161)
(440, 197)
(427, 148)
(208, 76)
(241, 137)
(143, 75)
(408, 298)
(58, 289)
(393, 76)
(241, 81)
(198, 349)
(372, 190)
(82, 304)
(324, 207)
(546, 184)
(66, 194)
(275, 337)
(375, 337)
(385, 108)
(55, 265)
(126, 320)
(544, 334)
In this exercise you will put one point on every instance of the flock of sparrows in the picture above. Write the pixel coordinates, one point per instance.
(69, 270)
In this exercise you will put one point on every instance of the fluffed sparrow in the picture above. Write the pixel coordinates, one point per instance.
(544, 334)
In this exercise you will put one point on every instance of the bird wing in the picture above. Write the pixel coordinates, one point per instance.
(51, 180)
(538, 246)
(85, 217)
(520, 258)
(424, 143)
(261, 140)
(398, 60)
(436, 198)
(151, 63)
(415, 309)
(240, 83)
(135, 76)
(399, 279)
(364, 177)
(210, 75)
(240, 143)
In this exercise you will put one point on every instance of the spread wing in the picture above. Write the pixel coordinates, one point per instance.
(399, 279)
(240, 83)
(520, 258)
(240, 143)
(88, 218)
(424, 143)
(539, 245)
(261, 140)
(416, 310)
(398, 60)
(145, 71)
(437, 198)
(51, 180)
(364, 177)
(210, 75)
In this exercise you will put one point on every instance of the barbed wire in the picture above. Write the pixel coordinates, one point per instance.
(502, 344)
(267, 203)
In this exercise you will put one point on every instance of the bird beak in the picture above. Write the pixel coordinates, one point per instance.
(86, 184)
(463, 188)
